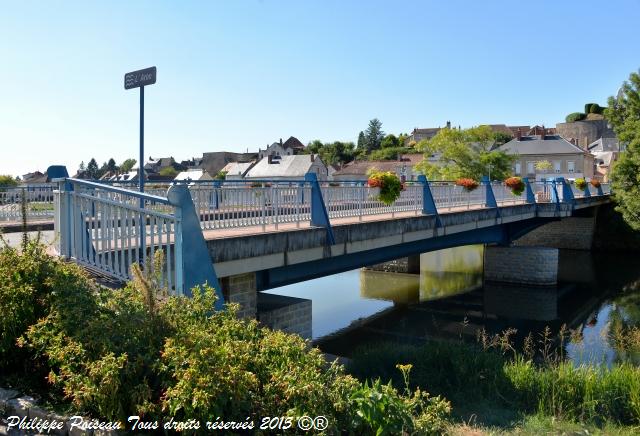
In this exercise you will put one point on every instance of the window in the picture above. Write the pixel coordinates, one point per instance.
(557, 166)
(531, 168)
(571, 166)
(518, 168)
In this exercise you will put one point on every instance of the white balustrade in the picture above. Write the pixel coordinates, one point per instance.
(38, 199)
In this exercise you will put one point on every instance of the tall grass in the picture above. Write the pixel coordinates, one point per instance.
(537, 379)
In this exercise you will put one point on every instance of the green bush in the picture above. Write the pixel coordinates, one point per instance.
(588, 106)
(31, 280)
(575, 116)
(596, 109)
(135, 351)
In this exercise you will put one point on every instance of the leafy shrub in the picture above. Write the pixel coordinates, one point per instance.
(389, 184)
(595, 109)
(468, 184)
(516, 185)
(581, 184)
(31, 280)
(575, 116)
(115, 353)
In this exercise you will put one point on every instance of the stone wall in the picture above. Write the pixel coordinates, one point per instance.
(573, 233)
(289, 314)
(525, 265)
(241, 289)
(585, 131)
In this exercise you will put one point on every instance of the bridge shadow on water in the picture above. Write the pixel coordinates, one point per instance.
(449, 301)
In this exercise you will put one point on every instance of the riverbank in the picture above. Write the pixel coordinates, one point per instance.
(495, 389)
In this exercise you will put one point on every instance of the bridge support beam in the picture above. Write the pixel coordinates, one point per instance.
(521, 265)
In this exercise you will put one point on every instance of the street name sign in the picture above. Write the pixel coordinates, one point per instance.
(140, 78)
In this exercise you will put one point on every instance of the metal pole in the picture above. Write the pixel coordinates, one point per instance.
(143, 218)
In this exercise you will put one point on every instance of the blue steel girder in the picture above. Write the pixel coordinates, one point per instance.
(499, 234)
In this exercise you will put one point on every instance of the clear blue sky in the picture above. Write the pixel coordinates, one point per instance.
(234, 75)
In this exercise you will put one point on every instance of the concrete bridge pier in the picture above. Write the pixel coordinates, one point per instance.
(521, 265)
(278, 312)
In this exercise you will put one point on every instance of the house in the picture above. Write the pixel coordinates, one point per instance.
(237, 170)
(418, 135)
(290, 147)
(154, 166)
(214, 162)
(192, 174)
(35, 178)
(288, 167)
(567, 160)
(359, 170)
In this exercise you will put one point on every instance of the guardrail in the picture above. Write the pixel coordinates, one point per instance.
(38, 199)
(109, 228)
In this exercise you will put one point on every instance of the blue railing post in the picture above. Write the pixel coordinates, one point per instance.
(490, 198)
(192, 258)
(599, 190)
(587, 192)
(529, 191)
(567, 193)
(428, 203)
(319, 215)
(555, 198)
(62, 217)
(216, 190)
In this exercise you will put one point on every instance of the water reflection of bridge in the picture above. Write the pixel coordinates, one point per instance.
(460, 309)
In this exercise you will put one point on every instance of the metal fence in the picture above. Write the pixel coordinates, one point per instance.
(38, 201)
(109, 229)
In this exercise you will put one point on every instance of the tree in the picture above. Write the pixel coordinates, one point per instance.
(361, 144)
(390, 141)
(623, 112)
(111, 165)
(168, 171)
(7, 181)
(334, 153)
(543, 166)
(92, 169)
(502, 137)
(373, 135)
(126, 166)
(464, 153)
(388, 153)
(81, 167)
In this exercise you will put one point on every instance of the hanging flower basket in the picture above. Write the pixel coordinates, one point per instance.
(595, 183)
(516, 185)
(468, 184)
(389, 184)
(581, 184)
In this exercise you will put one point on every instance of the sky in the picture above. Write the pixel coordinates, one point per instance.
(238, 75)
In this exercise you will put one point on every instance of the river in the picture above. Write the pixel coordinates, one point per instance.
(596, 294)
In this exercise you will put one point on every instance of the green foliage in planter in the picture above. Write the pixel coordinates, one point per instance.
(389, 184)
(581, 184)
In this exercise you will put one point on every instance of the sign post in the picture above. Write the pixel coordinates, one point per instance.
(139, 79)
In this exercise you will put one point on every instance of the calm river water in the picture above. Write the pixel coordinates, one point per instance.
(597, 293)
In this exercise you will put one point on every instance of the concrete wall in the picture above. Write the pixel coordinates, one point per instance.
(525, 265)
(241, 289)
(289, 314)
(573, 233)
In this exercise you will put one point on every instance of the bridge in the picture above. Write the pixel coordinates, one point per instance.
(263, 234)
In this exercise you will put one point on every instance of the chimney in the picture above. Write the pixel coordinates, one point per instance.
(448, 124)
(519, 134)
(542, 134)
(280, 142)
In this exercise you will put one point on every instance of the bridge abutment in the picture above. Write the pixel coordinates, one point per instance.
(241, 289)
(521, 265)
